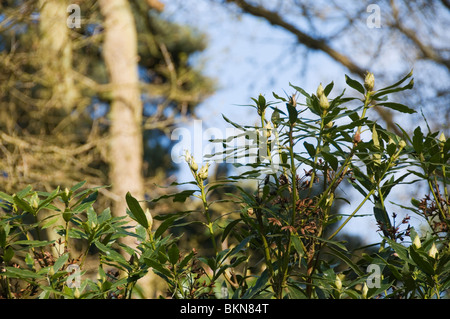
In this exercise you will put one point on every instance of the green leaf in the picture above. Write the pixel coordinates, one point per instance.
(135, 210)
(299, 89)
(174, 254)
(177, 197)
(278, 97)
(33, 243)
(85, 203)
(310, 148)
(5, 197)
(229, 227)
(3, 236)
(60, 262)
(401, 250)
(397, 107)
(421, 261)
(112, 255)
(381, 215)
(22, 204)
(92, 216)
(185, 260)
(241, 245)
(77, 186)
(393, 90)
(259, 285)
(8, 254)
(298, 245)
(293, 113)
(333, 251)
(158, 268)
(164, 225)
(330, 159)
(397, 83)
(417, 140)
(12, 272)
(328, 88)
(354, 84)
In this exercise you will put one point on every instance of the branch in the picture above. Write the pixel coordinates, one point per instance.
(314, 44)
(310, 42)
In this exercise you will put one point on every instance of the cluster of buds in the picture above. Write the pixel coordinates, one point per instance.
(202, 172)
(323, 100)
(191, 161)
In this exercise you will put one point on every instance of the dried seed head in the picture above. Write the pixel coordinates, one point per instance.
(357, 137)
(293, 100)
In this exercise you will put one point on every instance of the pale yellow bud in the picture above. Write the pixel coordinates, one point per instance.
(187, 156)
(417, 242)
(433, 251)
(319, 91)
(369, 81)
(402, 144)
(149, 217)
(365, 289)
(338, 283)
(193, 165)
(203, 172)
(323, 102)
(442, 139)
(76, 293)
(34, 201)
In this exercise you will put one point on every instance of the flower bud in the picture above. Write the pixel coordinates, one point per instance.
(76, 293)
(433, 251)
(193, 165)
(329, 124)
(365, 290)
(275, 118)
(402, 144)
(442, 139)
(416, 242)
(34, 201)
(369, 81)
(187, 156)
(149, 217)
(338, 283)
(319, 91)
(203, 172)
(323, 102)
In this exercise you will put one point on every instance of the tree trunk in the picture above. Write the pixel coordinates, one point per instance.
(125, 140)
(55, 53)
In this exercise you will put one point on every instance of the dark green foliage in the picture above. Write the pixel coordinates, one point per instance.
(279, 239)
